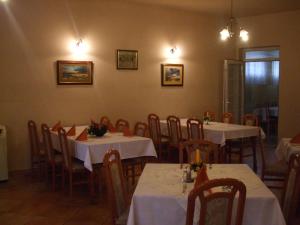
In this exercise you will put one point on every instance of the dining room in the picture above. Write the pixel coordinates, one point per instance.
(149, 112)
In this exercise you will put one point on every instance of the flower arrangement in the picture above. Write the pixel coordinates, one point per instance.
(97, 130)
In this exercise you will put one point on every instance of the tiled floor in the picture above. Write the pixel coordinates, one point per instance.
(27, 201)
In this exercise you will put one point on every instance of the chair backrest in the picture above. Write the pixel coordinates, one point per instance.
(174, 129)
(195, 129)
(227, 117)
(64, 147)
(115, 183)
(121, 124)
(250, 120)
(154, 128)
(291, 195)
(104, 120)
(47, 142)
(210, 114)
(33, 138)
(141, 129)
(207, 149)
(217, 205)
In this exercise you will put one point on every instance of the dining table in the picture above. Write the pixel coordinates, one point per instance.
(285, 149)
(92, 150)
(160, 197)
(219, 133)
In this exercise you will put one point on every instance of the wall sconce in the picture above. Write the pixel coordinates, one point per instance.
(174, 52)
(79, 47)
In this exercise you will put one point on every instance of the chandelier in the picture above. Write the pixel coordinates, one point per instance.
(228, 31)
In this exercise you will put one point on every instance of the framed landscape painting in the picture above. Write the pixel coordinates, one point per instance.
(74, 72)
(127, 59)
(172, 74)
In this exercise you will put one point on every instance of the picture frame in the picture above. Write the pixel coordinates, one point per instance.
(172, 74)
(127, 59)
(74, 72)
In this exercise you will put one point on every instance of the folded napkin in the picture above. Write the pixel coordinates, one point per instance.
(56, 126)
(296, 139)
(127, 132)
(83, 136)
(201, 177)
(72, 131)
(111, 128)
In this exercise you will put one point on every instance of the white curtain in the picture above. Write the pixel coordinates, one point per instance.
(262, 73)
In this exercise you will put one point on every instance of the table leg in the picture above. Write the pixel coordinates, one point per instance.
(254, 141)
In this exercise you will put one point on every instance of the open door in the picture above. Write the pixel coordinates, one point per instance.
(233, 89)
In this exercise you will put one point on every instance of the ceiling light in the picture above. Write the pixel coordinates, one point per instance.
(228, 31)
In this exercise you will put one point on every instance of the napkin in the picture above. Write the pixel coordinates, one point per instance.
(296, 139)
(201, 177)
(56, 126)
(83, 136)
(127, 132)
(72, 131)
(111, 128)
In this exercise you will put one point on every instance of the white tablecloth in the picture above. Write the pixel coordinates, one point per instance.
(217, 132)
(93, 150)
(159, 200)
(285, 149)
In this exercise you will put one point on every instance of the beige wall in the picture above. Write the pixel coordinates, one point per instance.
(281, 29)
(34, 34)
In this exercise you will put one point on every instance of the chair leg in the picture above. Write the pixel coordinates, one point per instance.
(63, 179)
(70, 184)
(53, 177)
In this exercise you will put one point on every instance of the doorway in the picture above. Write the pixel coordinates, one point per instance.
(251, 85)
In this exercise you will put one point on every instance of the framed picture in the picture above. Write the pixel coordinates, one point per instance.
(127, 59)
(74, 72)
(172, 74)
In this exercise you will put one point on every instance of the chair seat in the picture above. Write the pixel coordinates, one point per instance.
(122, 219)
(279, 168)
(164, 140)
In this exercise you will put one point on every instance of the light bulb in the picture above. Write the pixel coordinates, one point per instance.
(224, 34)
(3, 0)
(244, 35)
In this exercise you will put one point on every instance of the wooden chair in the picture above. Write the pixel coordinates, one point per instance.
(159, 141)
(211, 115)
(73, 167)
(104, 120)
(290, 198)
(207, 148)
(272, 172)
(195, 129)
(227, 117)
(141, 129)
(175, 135)
(121, 124)
(54, 160)
(131, 165)
(250, 120)
(238, 146)
(37, 153)
(117, 193)
(217, 207)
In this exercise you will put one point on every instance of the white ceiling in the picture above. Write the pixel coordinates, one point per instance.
(241, 8)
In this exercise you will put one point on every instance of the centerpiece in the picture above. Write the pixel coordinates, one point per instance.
(97, 130)
(206, 119)
(197, 163)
